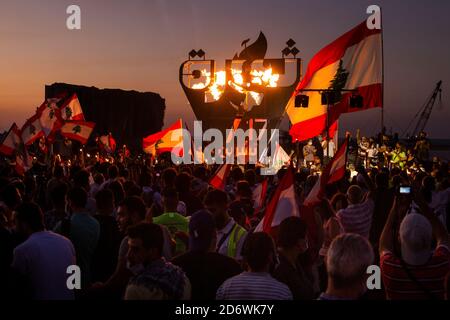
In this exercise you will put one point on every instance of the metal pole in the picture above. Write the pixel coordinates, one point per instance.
(328, 127)
(382, 75)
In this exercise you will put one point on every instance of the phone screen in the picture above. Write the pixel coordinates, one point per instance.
(405, 190)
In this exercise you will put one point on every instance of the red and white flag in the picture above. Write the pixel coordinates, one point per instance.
(23, 160)
(108, 143)
(32, 130)
(219, 179)
(353, 61)
(282, 205)
(77, 130)
(11, 141)
(259, 195)
(333, 172)
(50, 117)
(167, 140)
(71, 109)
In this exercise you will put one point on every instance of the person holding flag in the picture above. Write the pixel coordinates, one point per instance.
(107, 143)
(13, 146)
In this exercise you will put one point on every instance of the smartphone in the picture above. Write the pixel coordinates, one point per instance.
(405, 190)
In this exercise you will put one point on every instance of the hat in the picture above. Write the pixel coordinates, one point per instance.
(201, 230)
(415, 237)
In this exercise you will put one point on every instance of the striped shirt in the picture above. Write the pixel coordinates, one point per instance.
(357, 218)
(253, 286)
(432, 275)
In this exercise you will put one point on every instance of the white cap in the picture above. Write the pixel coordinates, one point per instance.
(416, 235)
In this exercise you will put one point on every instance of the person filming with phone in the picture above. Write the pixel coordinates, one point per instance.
(414, 249)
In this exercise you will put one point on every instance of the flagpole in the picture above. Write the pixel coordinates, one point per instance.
(7, 134)
(382, 75)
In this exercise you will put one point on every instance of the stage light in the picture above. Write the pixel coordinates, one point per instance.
(301, 101)
(356, 101)
(328, 98)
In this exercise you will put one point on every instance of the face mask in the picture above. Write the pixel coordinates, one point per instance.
(135, 269)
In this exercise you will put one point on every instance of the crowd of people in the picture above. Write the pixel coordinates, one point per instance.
(141, 229)
(374, 152)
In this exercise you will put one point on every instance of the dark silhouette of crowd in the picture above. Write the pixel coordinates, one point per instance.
(140, 229)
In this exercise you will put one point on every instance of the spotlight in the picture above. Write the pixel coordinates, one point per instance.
(328, 97)
(301, 101)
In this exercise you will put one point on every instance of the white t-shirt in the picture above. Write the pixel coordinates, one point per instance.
(44, 258)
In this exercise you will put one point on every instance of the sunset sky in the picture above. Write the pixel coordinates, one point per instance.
(140, 44)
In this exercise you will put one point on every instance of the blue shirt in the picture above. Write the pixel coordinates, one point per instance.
(84, 234)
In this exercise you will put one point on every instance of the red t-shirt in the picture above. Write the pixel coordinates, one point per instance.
(432, 275)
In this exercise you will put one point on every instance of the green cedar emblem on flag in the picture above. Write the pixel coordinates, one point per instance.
(76, 129)
(158, 143)
(68, 113)
(338, 82)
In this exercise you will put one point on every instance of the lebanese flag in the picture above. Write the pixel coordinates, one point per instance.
(11, 141)
(167, 140)
(219, 179)
(71, 109)
(77, 130)
(333, 172)
(259, 195)
(280, 158)
(356, 60)
(32, 130)
(282, 205)
(108, 143)
(43, 147)
(23, 161)
(50, 117)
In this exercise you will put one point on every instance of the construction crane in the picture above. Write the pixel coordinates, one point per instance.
(423, 115)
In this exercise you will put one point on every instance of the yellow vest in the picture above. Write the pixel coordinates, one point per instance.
(235, 236)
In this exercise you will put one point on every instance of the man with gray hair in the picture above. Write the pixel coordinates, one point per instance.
(348, 257)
